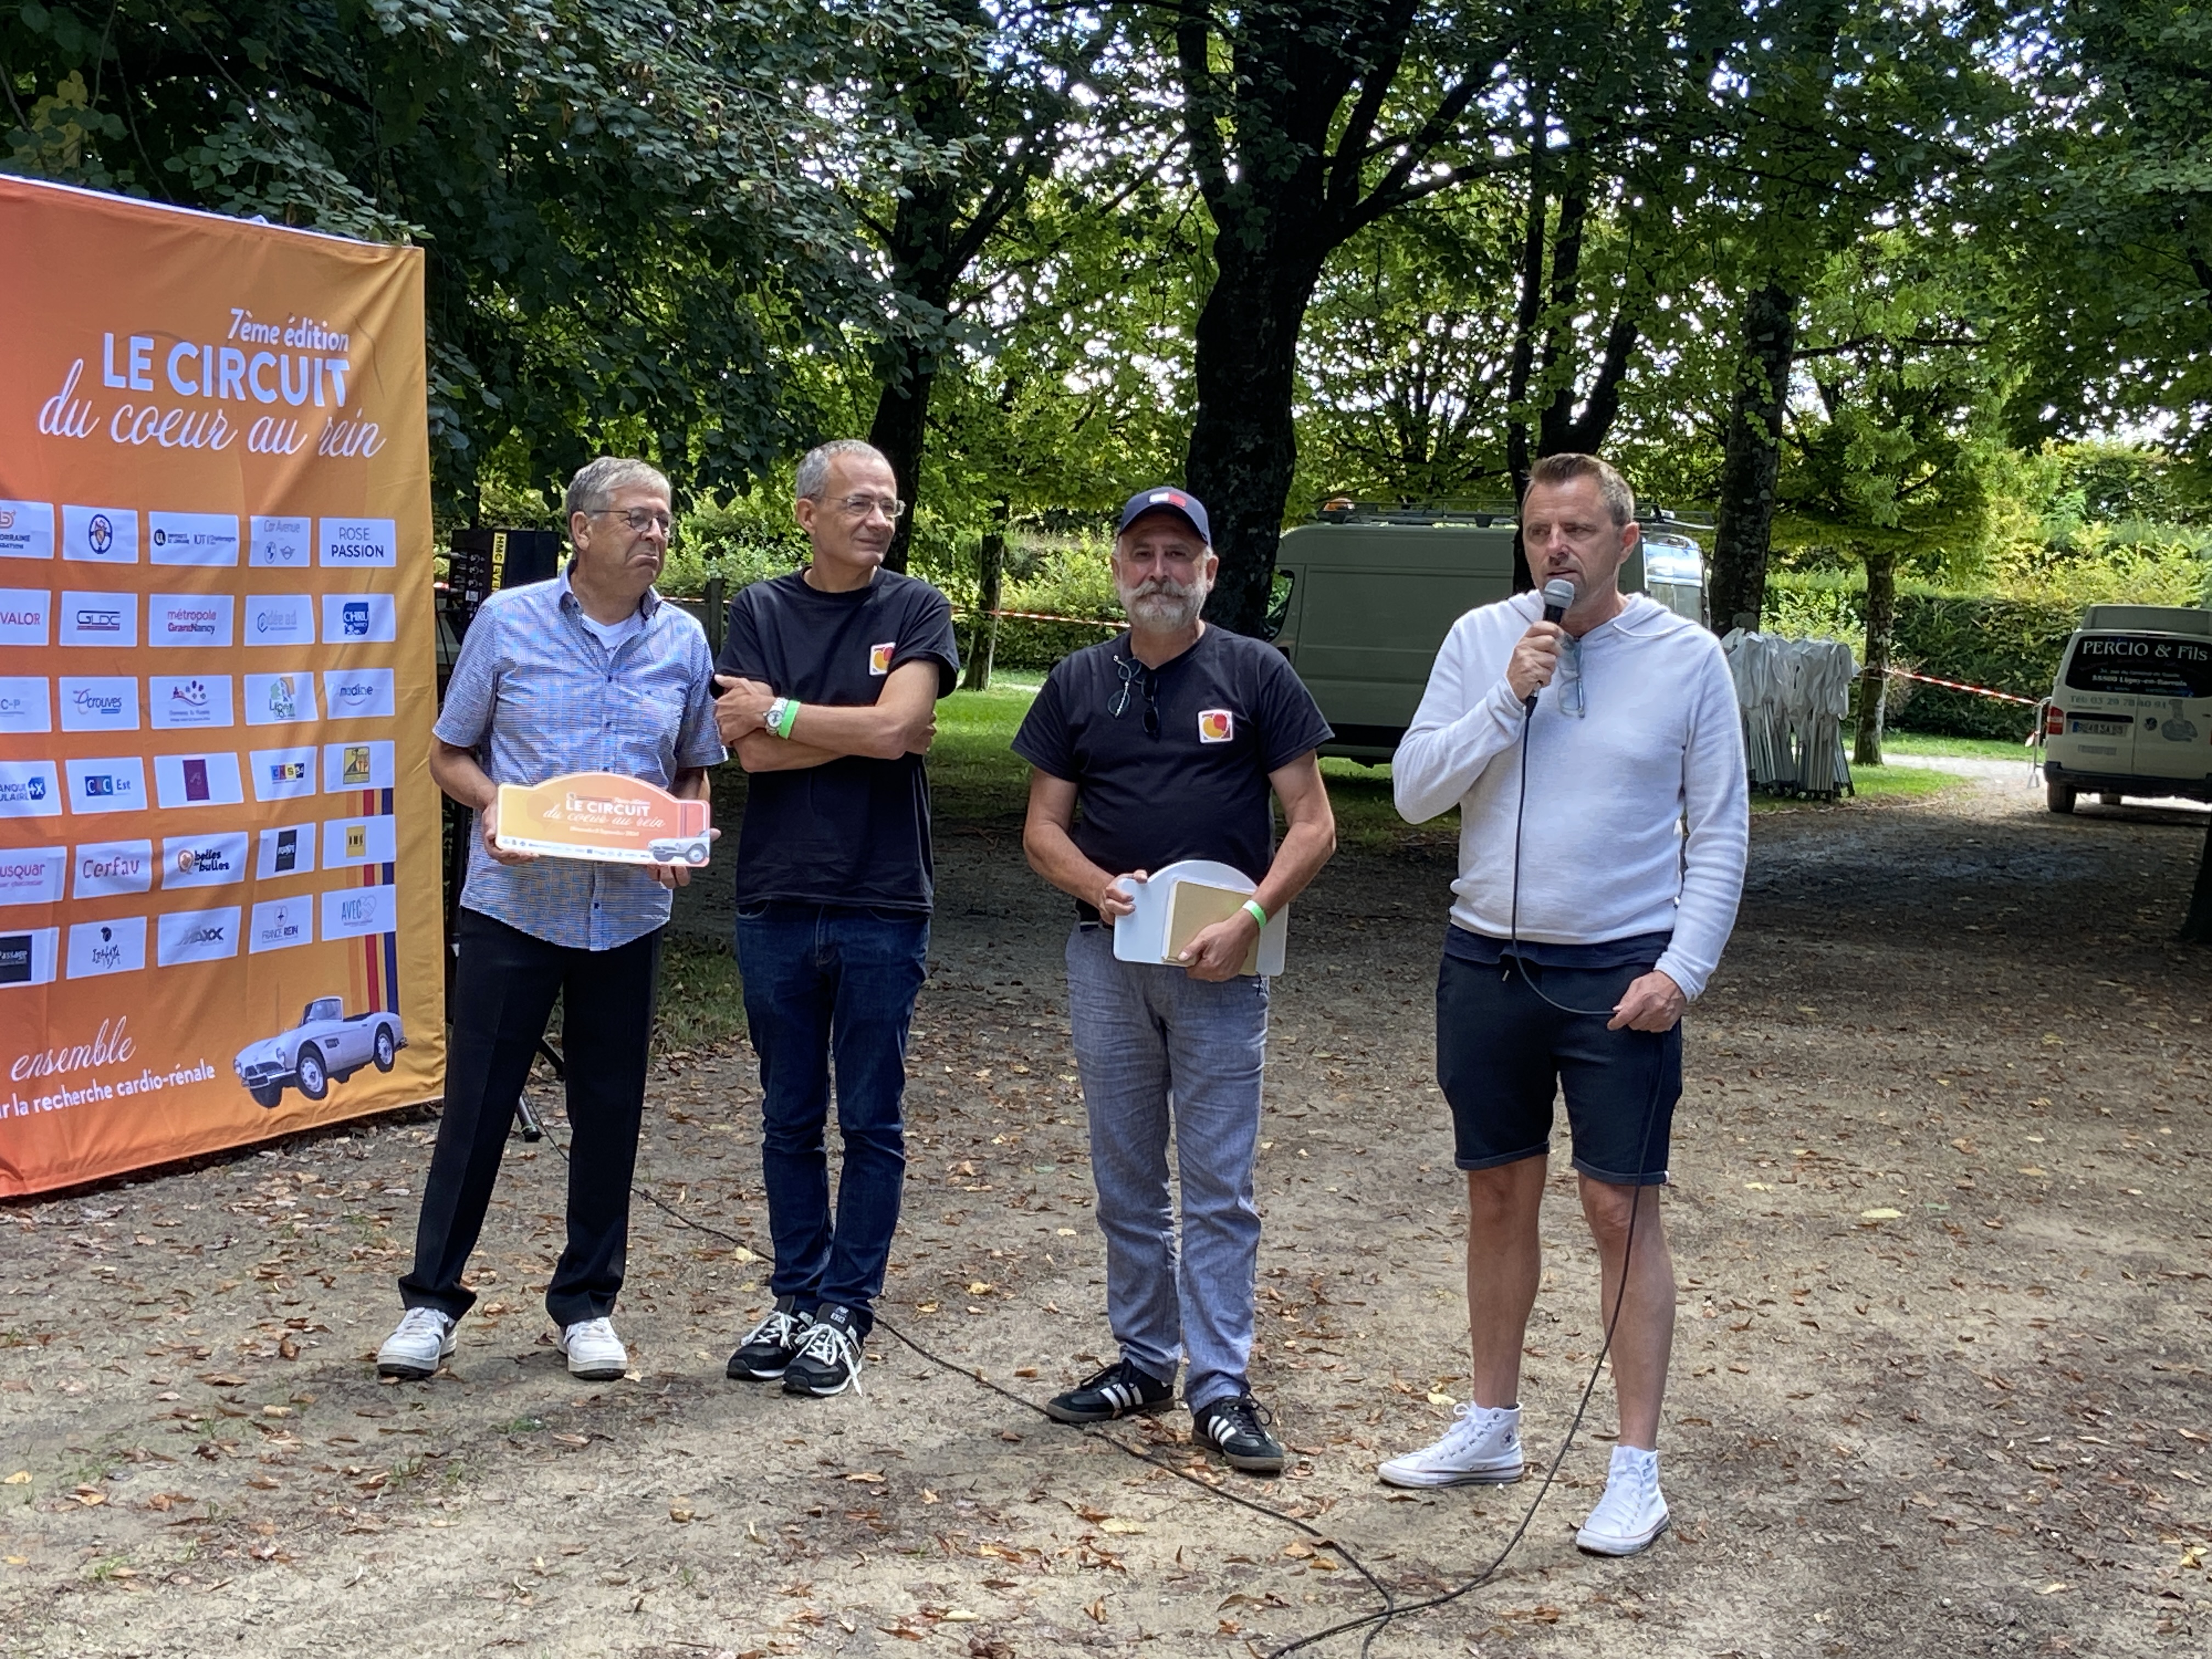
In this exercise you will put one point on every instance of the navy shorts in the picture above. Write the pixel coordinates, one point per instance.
(1503, 1054)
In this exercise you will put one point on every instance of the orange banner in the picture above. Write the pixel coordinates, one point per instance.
(219, 914)
(604, 816)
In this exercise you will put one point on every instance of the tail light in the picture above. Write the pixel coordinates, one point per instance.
(2054, 722)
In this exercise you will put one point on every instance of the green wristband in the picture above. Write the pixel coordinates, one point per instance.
(790, 718)
(1252, 906)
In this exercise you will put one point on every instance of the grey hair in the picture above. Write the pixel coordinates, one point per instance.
(814, 470)
(595, 484)
(1613, 489)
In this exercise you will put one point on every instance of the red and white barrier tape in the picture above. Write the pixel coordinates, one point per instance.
(1039, 616)
(1954, 685)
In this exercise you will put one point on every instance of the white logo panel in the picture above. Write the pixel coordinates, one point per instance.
(198, 780)
(100, 618)
(29, 789)
(281, 544)
(279, 619)
(101, 535)
(287, 851)
(279, 699)
(359, 619)
(284, 774)
(196, 936)
(185, 703)
(117, 784)
(99, 702)
(192, 537)
(26, 613)
(347, 842)
(358, 694)
(25, 706)
(189, 618)
(357, 912)
(356, 766)
(34, 875)
(116, 946)
(26, 530)
(27, 958)
(358, 542)
(104, 868)
(280, 924)
(204, 861)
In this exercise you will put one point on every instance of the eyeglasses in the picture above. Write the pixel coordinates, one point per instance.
(859, 507)
(1134, 675)
(1571, 701)
(639, 519)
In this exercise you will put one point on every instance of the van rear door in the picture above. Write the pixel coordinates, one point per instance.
(2137, 703)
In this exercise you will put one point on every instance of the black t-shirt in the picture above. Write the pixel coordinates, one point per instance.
(1230, 710)
(853, 831)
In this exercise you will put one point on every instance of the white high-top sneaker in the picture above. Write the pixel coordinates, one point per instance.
(1632, 1513)
(1483, 1446)
(423, 1342)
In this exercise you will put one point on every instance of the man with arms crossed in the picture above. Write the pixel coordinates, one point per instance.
(1169, 741)
(591, 671)
(831, 676)
(1596, 900)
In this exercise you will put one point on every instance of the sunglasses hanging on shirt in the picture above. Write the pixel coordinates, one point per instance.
(1134, 675)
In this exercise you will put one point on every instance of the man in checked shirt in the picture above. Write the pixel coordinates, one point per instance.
(591, 671)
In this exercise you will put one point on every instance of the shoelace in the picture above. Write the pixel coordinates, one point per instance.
(833, 1345)
(586, 1330)
(421, 1322)
(1244, 1415)
(777, 1327)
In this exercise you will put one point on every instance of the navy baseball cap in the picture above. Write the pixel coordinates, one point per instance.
(1165, 500)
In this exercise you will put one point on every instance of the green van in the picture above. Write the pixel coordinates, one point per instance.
(1364, 598)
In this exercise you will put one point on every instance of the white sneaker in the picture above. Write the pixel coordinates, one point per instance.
(1483, 1446)
(423, 1342)
(1632, 1513)
(595, 1352)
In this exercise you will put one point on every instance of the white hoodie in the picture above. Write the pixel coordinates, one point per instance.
(1603, 853)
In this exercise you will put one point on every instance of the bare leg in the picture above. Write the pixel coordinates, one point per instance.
(1505, 1258)
(1645, 1335)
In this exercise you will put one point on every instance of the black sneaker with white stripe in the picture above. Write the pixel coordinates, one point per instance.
(1238, 1428)
(771, 1346)
(1116, 1391)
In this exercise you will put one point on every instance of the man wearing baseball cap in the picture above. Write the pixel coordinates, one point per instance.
(1160, 746)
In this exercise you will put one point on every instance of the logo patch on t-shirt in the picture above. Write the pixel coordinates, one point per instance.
(880, 657)
(1216, 725)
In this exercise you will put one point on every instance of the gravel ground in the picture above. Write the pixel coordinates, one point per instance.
(1941, 1385)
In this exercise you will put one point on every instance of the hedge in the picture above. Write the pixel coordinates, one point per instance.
(2007, 645)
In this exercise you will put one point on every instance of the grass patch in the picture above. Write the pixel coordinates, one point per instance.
(1923, 743)
(701, 999)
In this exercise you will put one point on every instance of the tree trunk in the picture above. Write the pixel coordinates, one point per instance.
(899, 429)
(2196, 926)
(1874, 680)
(983, 644)
(1527, 313)
(1751, 462)
(1243, 443)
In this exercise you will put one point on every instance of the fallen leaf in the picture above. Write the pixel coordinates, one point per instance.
(742, 1253)
(679, 1513)
(1440, 1399)
(1880, 1215)
(21, 1478)
(1114, 1523)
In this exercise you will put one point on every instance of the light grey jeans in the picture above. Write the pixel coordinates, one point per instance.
(1155, 1048)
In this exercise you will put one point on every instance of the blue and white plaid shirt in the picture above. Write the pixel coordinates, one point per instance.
(536, 693)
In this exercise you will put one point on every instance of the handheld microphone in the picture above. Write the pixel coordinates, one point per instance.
(1558, 599)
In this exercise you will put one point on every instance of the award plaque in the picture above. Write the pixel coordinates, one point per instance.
(602, 817)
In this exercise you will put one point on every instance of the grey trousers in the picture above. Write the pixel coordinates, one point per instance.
(1158, 1050)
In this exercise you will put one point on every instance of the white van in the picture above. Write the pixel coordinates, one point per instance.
(2131, 714)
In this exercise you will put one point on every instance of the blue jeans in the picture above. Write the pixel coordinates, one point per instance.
(826, 981)
(1156, 1048)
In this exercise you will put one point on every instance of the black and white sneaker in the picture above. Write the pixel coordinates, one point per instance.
(1116, 1391)
(828, 1361)
(1236, 1427)
(769, 1346)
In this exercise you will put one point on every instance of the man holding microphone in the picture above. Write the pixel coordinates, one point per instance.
(1158, 747)
(1597, 762)
(591, 671)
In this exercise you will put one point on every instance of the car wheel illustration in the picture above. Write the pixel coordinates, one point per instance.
(694, 855)
(267, 1094)
(385, 1048)
(314, 1081)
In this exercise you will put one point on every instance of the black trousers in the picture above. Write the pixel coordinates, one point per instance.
(504, 985)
